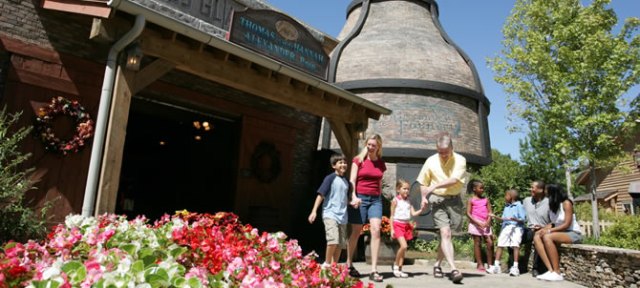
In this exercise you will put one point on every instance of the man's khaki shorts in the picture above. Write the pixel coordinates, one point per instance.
(447, 211)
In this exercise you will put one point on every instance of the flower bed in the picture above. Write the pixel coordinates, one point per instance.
(385, 229)
(186, 250)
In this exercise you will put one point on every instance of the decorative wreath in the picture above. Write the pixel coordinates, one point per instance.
(63, 106)
(265, 173)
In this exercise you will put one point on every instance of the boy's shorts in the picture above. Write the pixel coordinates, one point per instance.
(336, 233)
(510, 236)
(447, 211)
(402, 229)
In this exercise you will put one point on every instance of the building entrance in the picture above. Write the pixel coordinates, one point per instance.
(177, 158)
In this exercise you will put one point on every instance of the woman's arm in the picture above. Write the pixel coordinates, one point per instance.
(355, 201)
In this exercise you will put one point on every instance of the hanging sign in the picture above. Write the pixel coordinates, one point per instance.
(280, 37)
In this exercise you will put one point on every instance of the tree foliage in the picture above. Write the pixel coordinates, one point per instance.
(566, 71)
(502, 174)
(539, 163)
(17, 222)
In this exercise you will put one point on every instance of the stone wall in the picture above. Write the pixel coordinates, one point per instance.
(598, 266)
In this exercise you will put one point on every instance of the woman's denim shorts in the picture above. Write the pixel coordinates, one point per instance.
(370, 208)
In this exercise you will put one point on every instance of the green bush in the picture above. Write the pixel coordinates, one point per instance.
(583, 212)
(17, 222)
(462, 245)
(625, 233)
(421, 245)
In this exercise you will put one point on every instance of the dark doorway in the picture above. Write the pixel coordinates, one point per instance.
(177, 158)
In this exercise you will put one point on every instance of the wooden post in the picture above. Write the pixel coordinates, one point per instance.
(114, 147)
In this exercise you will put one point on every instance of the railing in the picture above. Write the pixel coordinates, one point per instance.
(587, 226)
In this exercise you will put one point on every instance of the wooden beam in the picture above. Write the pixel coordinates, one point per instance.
(151, 73)
(346, 137)
(236, 76)
(99, 31)
(114, 147)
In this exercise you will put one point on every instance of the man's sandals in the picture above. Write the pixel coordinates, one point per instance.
(456, 276)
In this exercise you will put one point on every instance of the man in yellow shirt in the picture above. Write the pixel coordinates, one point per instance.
(442, 179)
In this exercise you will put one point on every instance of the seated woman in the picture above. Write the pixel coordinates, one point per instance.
(563, 229)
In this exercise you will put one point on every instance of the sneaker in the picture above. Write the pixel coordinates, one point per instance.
(494, 269)
(551, 276)
(543, 275)
(514, 271)
(325, 265)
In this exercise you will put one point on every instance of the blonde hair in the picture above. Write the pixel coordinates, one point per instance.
(363, 152)
(400, 182)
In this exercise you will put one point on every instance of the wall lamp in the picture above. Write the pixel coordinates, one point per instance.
(360, 130)
(134, 57)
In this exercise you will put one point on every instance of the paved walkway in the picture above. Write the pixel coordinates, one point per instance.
(421, 275)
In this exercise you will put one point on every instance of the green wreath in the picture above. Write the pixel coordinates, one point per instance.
(272, 171)
(61, 106)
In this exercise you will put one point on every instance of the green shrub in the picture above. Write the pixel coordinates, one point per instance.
(17, 222)
(462, 245)
(421, 245)
(625, 233)
(583, 212)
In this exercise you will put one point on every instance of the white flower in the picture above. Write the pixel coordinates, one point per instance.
(124, 266)
(50, 272)
(73, 220)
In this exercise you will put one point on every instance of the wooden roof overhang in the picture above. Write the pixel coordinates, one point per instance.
(178, 45)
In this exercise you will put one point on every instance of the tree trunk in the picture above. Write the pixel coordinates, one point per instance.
(594, 203)
(567, 174)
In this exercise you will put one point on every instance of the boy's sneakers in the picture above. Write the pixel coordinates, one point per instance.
(550, 276)
(514, 271)
(495, 269)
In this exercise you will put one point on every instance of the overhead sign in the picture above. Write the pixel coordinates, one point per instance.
(280, 37)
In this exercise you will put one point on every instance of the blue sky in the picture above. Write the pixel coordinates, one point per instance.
(473, 25)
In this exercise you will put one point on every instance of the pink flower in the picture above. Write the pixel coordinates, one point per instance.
(275, 265)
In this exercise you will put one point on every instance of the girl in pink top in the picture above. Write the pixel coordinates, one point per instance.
(478, 211)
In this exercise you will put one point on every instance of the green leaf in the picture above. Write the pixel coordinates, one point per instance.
(194, 283)
(129, 248)
(137, 267)
(45, 284)
(175, 253)
(179, 282)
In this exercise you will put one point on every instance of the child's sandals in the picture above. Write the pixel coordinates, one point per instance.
(397, 272)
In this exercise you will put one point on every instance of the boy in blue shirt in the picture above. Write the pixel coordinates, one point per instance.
(512, 219)
(333, 194)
